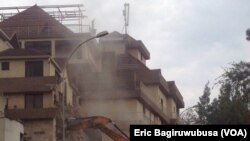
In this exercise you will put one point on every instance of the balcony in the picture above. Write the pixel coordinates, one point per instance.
(44, 113)
(27, 84)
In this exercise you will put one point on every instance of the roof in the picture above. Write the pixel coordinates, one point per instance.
(130, 42)
(3, 35)
(21, 53)
(176, 93)
(128, 62)
(126, 67)
(14, 41)
(34, 23)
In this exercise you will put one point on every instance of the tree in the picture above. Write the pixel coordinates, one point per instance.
(233, 103)
(203, 104)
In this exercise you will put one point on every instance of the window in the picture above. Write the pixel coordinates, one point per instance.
(43, 46)
(162, 104)
(5, 65)
(155, 119)
(144, 110)
(21, 137)
(174, 109)
(33, 68)
(34, 100)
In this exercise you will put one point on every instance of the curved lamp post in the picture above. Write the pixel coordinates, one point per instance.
(189, 108)
(100, 34)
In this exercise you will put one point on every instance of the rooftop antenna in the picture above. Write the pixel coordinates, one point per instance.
(248, 34)
(126, 16)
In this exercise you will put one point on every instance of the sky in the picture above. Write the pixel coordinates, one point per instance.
(191, 41)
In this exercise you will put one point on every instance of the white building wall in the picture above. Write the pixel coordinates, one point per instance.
(2, 104)
(10, 130)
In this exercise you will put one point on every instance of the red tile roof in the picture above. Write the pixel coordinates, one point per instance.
(34, 23)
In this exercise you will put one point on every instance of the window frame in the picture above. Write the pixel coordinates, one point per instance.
(5, 66)
(34, 68)
(41, 46)
(33, 101)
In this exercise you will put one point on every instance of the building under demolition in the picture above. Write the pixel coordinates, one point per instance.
(42, 87)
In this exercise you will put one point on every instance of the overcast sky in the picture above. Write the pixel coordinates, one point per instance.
(190, 40)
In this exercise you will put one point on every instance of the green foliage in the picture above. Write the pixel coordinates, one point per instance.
(233, 103)
(203, 104)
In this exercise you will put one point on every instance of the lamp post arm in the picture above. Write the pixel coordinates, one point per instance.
(248, 34)
(101, 34)
(195, 106)
(73, 52)
(75, 49)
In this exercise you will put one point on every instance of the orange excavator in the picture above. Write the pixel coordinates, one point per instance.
(98, 122)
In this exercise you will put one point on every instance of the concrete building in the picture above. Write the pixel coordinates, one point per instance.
(109, 78)
(35, 65)
(124, 88)
(29, 81)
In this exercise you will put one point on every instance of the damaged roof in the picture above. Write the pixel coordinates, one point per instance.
(34, 23)
(130, 42)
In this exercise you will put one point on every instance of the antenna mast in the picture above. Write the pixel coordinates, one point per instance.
(126, 16)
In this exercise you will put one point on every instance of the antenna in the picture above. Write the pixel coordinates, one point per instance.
(248, 34)
(126, 16)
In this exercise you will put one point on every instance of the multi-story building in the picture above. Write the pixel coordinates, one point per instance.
(30, 83)
(125, 89)
(109, 78)
(30, 78)
(10, 130)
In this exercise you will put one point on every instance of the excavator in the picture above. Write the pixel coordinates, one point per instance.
(97, 122)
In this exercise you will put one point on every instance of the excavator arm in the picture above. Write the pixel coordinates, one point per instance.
(98, 122)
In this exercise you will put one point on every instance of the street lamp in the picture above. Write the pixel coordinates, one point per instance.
(101, 34)
(195, 106)
(183, 112)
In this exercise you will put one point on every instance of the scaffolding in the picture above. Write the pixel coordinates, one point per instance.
(69, 15)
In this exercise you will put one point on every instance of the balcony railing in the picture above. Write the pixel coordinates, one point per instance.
(27, 84)
(44, 113)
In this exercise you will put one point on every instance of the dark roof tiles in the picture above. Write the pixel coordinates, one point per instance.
(34, 23)
(18, 52)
